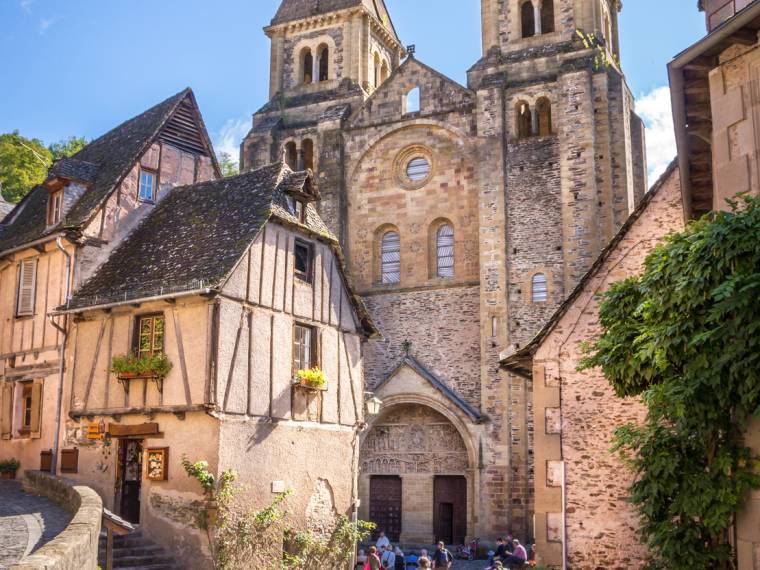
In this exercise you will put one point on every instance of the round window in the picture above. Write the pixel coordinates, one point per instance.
(418, 169)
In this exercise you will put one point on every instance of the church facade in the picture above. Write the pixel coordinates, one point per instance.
(467, 214)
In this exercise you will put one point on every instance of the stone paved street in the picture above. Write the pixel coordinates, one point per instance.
(26, 522)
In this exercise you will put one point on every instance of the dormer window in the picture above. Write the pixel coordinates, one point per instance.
(147, 189)
(300, 211)
(55, 207)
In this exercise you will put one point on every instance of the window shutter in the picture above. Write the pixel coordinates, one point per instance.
(34, 427)
(26, 287)
(6, 411)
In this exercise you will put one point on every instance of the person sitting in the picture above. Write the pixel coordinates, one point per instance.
(382, 542)
(400, 563)
(499, 554)
(519, 555)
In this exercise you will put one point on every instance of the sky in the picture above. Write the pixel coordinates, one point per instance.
(81, 67)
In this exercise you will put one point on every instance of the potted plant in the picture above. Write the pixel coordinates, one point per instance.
(9, 467)
(312, 379)
(148, 366)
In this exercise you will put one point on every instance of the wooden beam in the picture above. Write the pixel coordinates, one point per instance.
(96, 354)
(745, 37)
(181, 351)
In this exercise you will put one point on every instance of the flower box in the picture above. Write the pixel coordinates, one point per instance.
(312, 379)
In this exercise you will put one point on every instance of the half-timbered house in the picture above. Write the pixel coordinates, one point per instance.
(239, 285)
(59, 234)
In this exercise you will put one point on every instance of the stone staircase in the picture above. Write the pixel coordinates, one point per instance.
(135, 552)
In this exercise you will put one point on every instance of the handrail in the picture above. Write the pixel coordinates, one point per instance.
(114, 524)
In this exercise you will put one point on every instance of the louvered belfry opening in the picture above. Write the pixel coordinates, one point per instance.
(182, 130)
(445, 252)
(390, 269)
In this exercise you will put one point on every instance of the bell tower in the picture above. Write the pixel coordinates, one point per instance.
(318, 43)
(513, 24)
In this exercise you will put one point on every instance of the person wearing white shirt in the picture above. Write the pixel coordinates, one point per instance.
(382, 542)
(389, 558)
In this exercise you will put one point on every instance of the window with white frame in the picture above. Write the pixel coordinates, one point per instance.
(27, 286)
(147, 188)
(304, 347)
(390, 258)
(444, 246)
(55, 207)
(540, 289)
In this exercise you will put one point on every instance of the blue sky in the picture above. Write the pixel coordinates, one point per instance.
(79, 67)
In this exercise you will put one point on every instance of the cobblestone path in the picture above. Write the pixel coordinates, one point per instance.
(26, 522)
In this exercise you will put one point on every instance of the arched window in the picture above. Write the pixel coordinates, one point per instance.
(390, 258)
(307, 65)
(384, 72)
(444, 248)
(307, 148)
(547, 16)
(291, 155)
(412, 101)
(376, 70)
(324, 63)
(540, 289)
(528, 19)
(544, 111)
(524, 119)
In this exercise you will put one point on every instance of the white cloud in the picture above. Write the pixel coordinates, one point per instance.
(26, 5)
(230, 136)
(654, 108)
(45, 24)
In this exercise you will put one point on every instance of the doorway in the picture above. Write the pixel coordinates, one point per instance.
(129, 479)
(385, 505)
(450, 509)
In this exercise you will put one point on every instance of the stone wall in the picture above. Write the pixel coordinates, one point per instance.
(76, 548)
(577, 413)
(443, 327)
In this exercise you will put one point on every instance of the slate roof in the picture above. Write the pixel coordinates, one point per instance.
(195, 236)
(292, 10)
(520, 361)
(103, 164)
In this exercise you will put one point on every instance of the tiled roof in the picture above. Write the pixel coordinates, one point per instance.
(292, 10)
(195, 236)
(103, 164)
(74, 169)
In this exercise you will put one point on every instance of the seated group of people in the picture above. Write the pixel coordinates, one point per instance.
(509, 553)
(383, 556)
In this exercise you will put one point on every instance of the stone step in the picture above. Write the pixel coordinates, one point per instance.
(131, 561)
(135, 550)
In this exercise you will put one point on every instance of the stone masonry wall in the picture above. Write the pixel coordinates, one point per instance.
(443, 327)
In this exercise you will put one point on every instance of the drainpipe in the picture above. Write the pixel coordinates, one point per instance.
(61, 355)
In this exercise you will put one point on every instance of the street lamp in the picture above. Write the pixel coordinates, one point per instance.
(373, 404)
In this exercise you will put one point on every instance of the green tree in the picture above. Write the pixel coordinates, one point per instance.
(685, 337)
(67, 147)
(23, 164)
(227, 165)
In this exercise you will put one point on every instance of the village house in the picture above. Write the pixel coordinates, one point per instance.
(54, 240)
(467, 214)
(258, 293)
(581, 515)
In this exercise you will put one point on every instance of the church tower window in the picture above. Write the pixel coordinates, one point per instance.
(547, 16)
(544, 111)
(324, 63)
(307, 65)
(412, 101)
(524, 119)
(291, 155)
(528, 19)
(390, 258)
(444, 243)
(540, 288)
(307, 148)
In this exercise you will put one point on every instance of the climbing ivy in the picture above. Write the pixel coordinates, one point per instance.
(685, 337)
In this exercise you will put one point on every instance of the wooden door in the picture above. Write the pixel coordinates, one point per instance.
(130, 478)
(450, 509)
(385, 505)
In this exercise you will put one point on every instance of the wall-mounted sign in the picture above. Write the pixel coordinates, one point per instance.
(95, 431)
(157, 463)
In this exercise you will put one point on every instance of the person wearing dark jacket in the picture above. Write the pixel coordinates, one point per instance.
(442, 558)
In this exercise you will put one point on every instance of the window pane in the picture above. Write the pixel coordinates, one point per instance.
(540, 290)
(418, 169)
(391, 258)
(302, 344)
(302, 259)
(445, 251)
(158, 334)
(147, 180)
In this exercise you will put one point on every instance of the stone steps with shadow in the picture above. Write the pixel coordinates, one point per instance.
(136, 552)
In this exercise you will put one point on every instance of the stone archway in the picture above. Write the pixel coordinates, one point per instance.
(414, 475)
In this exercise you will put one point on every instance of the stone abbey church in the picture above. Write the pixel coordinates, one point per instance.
(466, 215)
